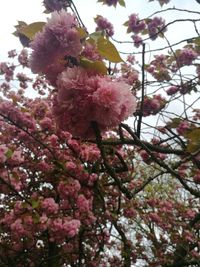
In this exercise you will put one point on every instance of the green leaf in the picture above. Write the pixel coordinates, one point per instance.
(193, 146)
(144, 32)
(36, 218)
(107, 50)
(97, 17)
(25, 205)
(97, 66)
(174, 123)
(82, 33)
(95, 35)
(194, 140)
(126, 23)
(9, 153)
(35, 203)
(18, 27)
(194, 135)
(122, 3)
(31, 29)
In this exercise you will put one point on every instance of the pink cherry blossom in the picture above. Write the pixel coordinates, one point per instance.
(49, 206)
(3, 150)
(85, 97)
(156, 26)
(83, 203)
(185, 57)
(58, 39)
(104, 25)
(113, 103)
(135, 25)
(56, 5)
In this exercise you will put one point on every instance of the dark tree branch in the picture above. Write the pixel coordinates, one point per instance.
(142, 96)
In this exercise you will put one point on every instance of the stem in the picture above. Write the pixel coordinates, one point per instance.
(53, 259)
(142, 96)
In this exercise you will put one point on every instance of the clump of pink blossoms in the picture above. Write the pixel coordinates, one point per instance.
(104, 25)
(53, 5)
(153, 105)
(135, 25)
(84, 97)
(156, 26)
(58, 40)
(185, 57)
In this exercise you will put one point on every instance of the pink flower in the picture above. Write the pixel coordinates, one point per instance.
(14, 114)
(71, 166)
(3, 150)
(172, 90)
(53, 5)
(69, 189)
(111, 2)
(62, 228)
(183, 127)
(130, 212)
(46, 124)
(49, 206)
(104, 25)
(137, 40)
(83, 204)
(23, 58)
(89, 153)
(85, 97)
(155, 217)
(135, 25)
(12, 53)
(196, 178)
(58, 40)
(90, 52)
(153, 105)
(70, 228)
(185, 57)
(156, 26)
(18, 228)
(113, 103)
(53, 140)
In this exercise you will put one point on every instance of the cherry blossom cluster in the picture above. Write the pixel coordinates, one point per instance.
(154, 27)
(109, 2)
(56, 5)
(51, 47)
(82, 95)
(104, 25)
(185, 57)
(153, 105)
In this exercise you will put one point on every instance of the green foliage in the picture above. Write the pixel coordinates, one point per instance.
(122, 3)
(107, 50)
(194, 140)
(35, 203)
(94, 37)
(31, 29)
(97, 66)
(82, 33)
(174, 123)
(9, 153)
